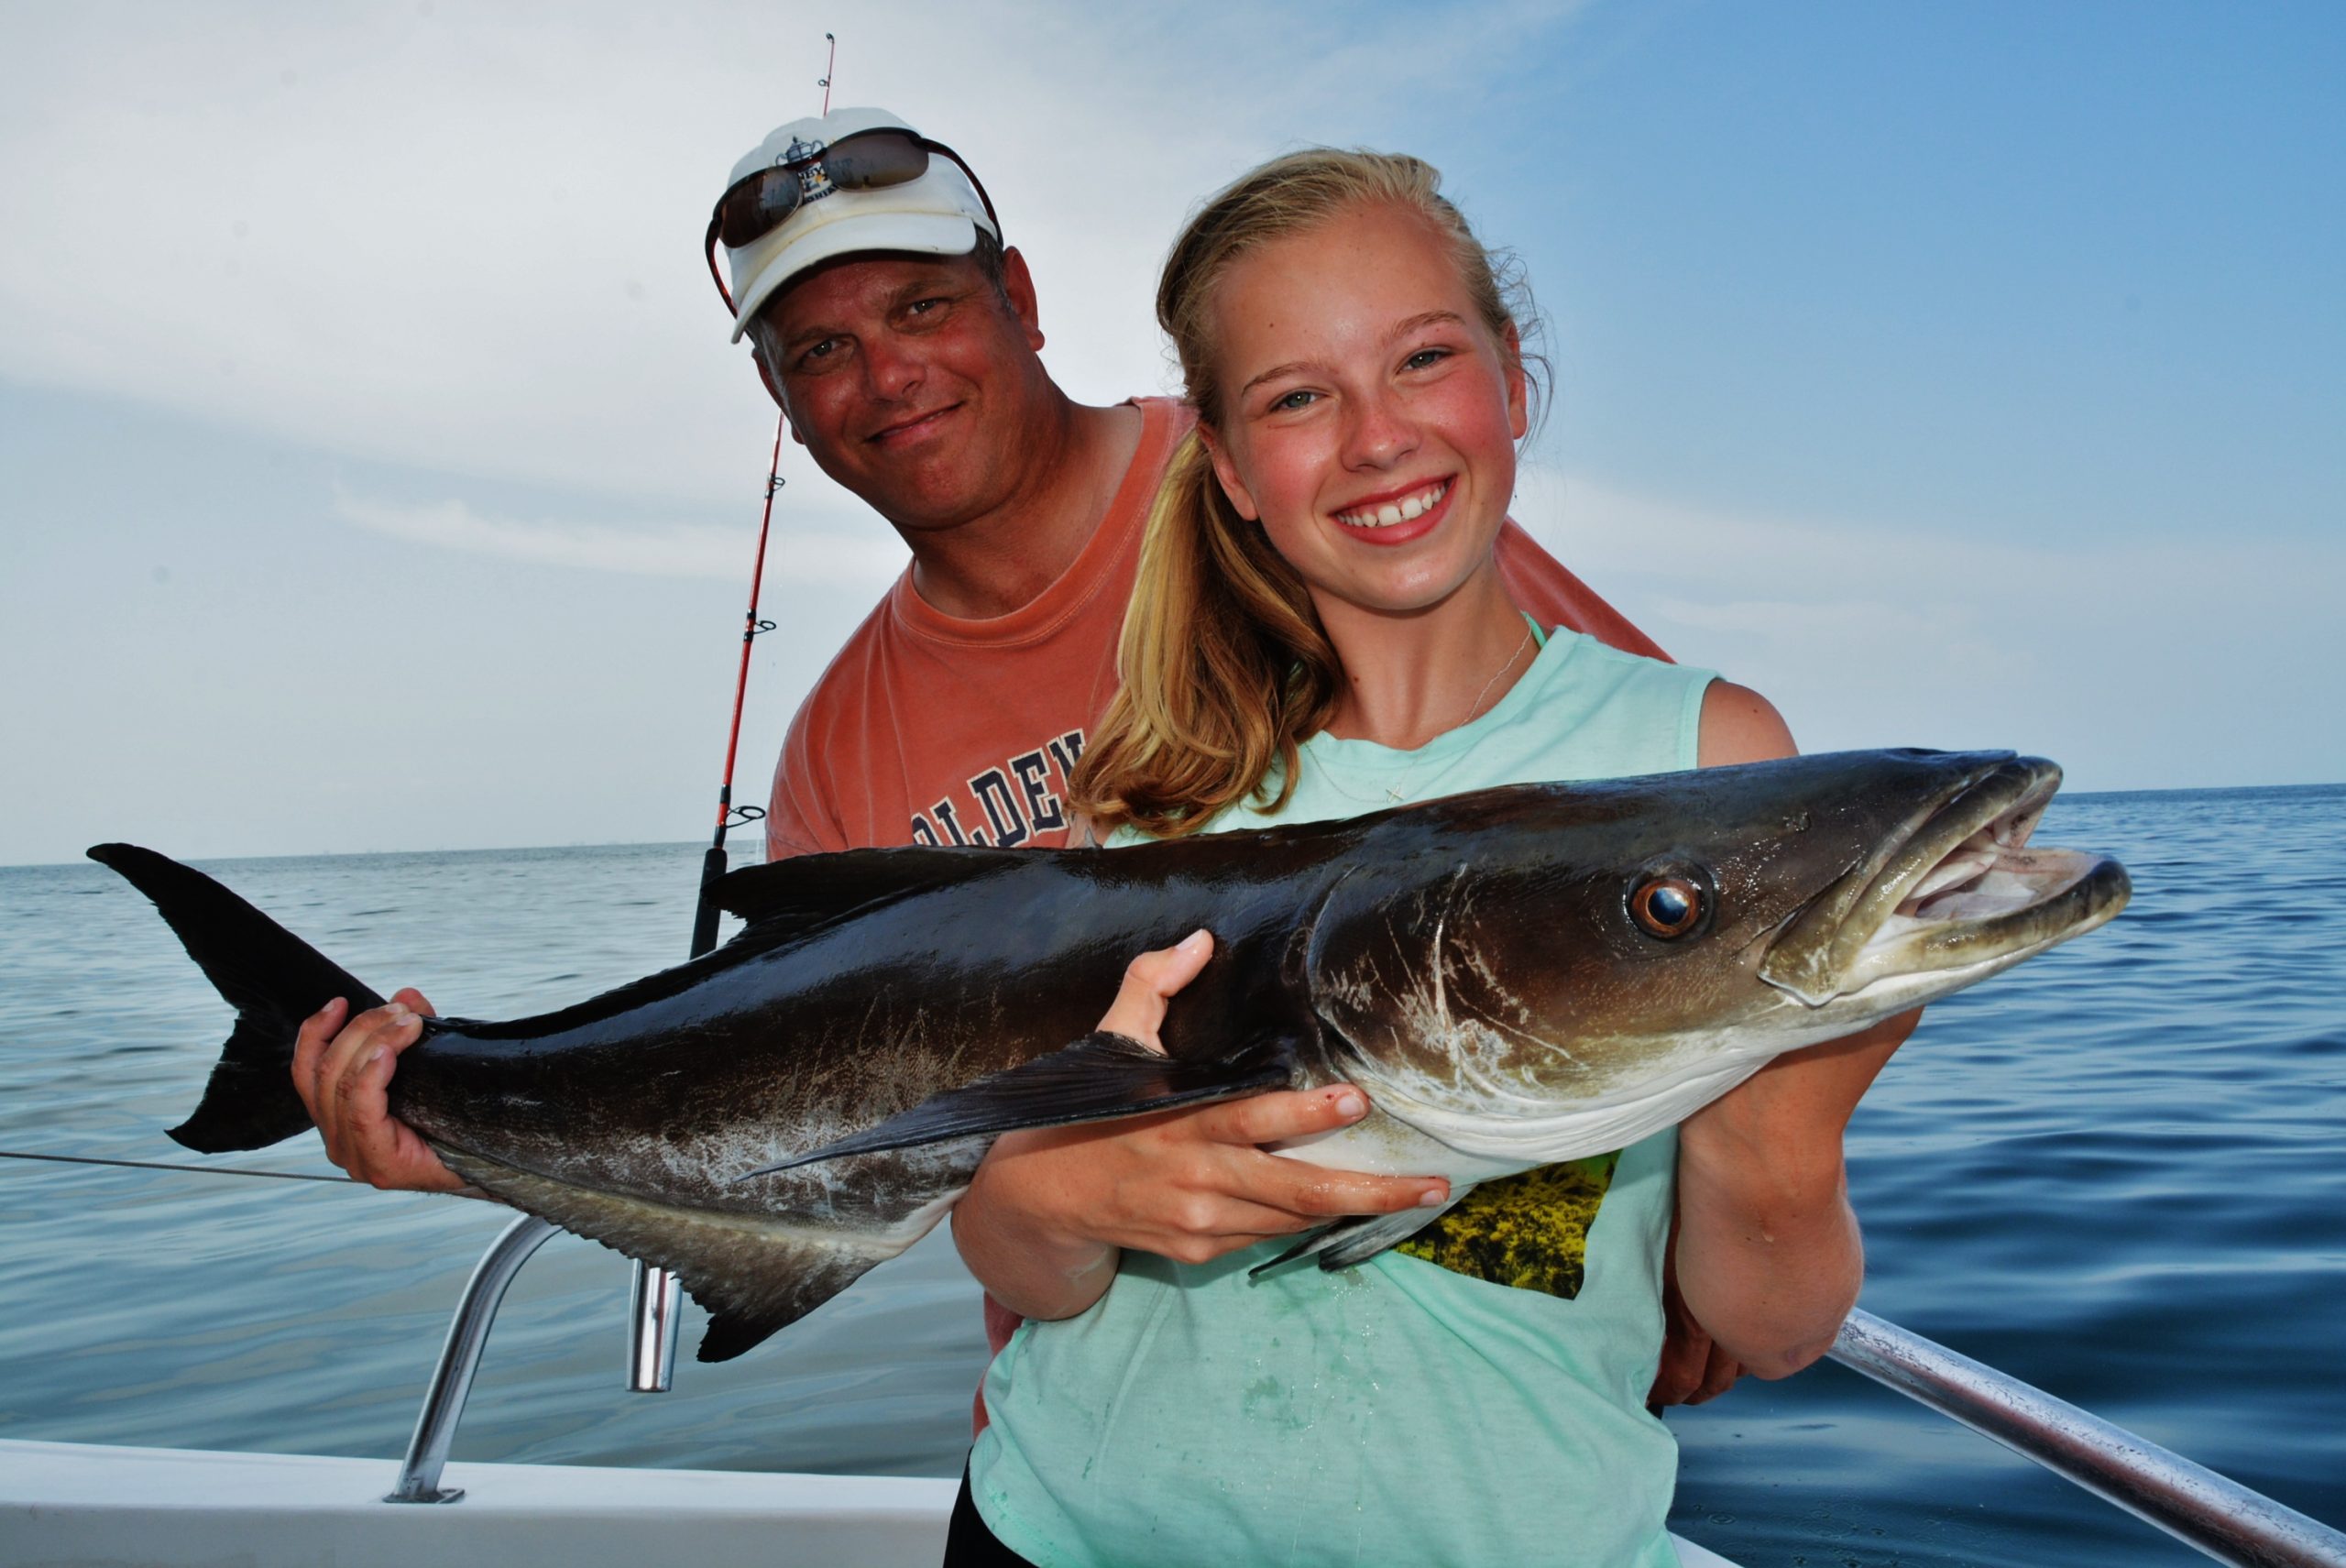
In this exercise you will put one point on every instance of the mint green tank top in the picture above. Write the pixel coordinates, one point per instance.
(1398, 1412)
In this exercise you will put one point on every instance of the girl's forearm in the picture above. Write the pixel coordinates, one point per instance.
(1768, 1256)
(1026, 1264)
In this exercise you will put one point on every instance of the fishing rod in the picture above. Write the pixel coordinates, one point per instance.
(728, 816)
(653, 1297)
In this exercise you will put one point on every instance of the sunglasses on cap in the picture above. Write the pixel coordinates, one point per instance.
(762, 203)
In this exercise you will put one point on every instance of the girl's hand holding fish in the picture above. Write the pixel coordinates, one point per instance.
(1050, 1209)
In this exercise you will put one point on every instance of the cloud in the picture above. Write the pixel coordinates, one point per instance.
(866, 560)
(466, 239)
(2165, 662)
(463, 239)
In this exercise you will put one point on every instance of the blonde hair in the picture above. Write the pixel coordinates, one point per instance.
(1226, 668)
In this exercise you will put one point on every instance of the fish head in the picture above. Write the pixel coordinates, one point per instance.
(1591, 943)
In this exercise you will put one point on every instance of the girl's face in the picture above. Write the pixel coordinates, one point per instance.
(1369, 417)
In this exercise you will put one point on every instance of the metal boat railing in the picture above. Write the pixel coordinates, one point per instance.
(2217, 1515)
(2191, 1502)
(452, 1379)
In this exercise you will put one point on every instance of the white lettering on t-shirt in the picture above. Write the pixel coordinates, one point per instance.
(1017, 812)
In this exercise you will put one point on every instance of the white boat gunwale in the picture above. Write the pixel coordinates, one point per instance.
(98, 1506)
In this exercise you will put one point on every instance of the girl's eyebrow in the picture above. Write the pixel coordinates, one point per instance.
(1431, 318)
(1403, 329)
(1273, 374)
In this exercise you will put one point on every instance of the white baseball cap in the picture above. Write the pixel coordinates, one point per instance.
(829, 212)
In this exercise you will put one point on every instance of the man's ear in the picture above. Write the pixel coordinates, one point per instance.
(766, 378)
(1226, 472)
(1018, 288)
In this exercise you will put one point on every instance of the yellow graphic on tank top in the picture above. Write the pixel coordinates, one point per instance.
(1530, 1230)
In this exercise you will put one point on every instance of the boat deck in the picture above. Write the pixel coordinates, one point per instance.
(96, 1507)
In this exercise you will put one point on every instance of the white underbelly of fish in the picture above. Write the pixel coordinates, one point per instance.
(1379, 1144)
(1406, 1137)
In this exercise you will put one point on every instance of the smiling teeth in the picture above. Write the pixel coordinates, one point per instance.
(1402, 510)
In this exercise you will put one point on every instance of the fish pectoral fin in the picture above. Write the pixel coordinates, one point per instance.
(1358, 1239)
(1101, 1076)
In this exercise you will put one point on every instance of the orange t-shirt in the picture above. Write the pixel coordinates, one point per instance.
(931, 730)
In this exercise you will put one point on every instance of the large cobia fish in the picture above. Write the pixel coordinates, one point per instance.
(1514, 977)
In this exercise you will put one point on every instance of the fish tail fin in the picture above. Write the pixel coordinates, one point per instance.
(272, 978)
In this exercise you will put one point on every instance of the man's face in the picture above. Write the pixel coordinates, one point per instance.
(908, 379)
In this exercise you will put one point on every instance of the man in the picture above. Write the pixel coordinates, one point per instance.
(901, 339)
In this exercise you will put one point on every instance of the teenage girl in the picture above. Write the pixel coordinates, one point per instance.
(1320, 630)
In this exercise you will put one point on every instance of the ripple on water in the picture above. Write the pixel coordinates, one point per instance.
(2114, 1171)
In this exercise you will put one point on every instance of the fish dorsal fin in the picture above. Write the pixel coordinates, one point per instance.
(782, 902)
(788, 898)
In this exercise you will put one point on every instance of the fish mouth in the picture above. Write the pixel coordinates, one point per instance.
(1958, 896)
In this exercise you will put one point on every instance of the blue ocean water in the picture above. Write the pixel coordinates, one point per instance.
(2118, 1173)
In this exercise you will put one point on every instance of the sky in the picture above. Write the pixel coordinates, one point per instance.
(376, 474)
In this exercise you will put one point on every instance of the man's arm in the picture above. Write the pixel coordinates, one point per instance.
(801, 819)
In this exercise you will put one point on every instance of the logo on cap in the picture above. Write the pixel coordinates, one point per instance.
(807, 157)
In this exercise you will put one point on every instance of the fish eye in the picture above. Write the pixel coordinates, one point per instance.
(1666, 906)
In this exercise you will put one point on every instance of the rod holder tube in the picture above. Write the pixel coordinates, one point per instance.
(2206, 1511)
(652, 1294)
(652, 1310)
(451, 1379)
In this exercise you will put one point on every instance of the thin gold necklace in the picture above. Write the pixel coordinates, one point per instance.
(1397, 796)
(1512, 654)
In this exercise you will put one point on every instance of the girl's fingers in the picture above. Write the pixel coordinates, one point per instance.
(1151, 980)
(1315, 1193)
(1719, 1374)
(1283, 1115)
